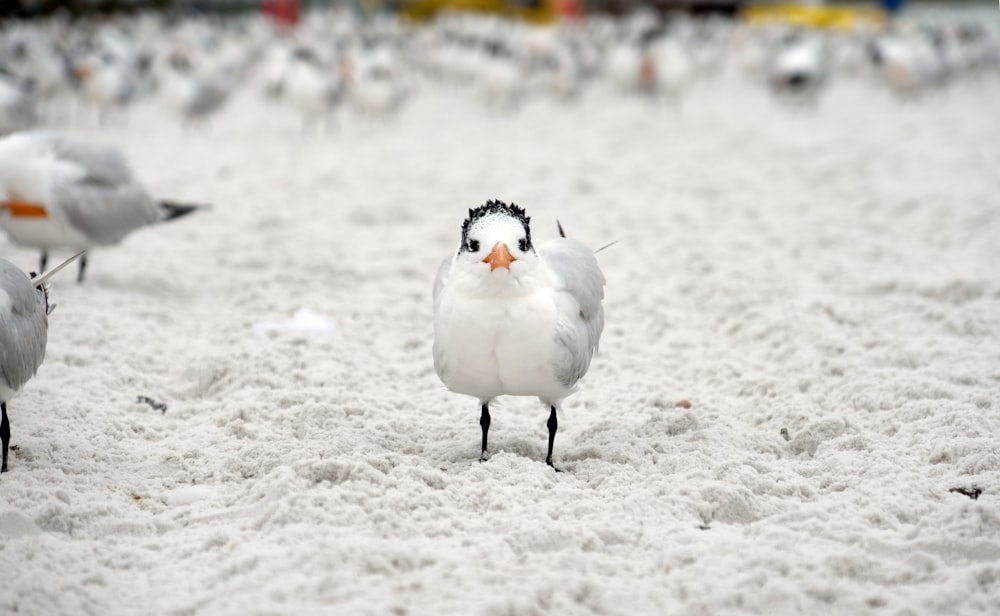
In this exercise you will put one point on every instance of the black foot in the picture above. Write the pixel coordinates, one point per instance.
(4, 435)
(553, 425)
(484, 423)
(83, 268)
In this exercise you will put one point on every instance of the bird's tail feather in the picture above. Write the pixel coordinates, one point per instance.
(173, 209)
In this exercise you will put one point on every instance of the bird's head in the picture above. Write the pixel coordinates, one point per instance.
(496, 240)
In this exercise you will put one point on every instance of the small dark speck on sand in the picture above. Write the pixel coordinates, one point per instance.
(157, 406)
(972, 492)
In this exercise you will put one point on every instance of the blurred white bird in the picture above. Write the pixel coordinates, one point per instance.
(669, 67)
(377, 86)
(909, 63)
(314, 87)
(63, 191)
(108, 82)
(799, 68)
(513, 320)
(24, 325)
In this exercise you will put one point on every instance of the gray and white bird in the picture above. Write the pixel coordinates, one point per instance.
(62, 191)
(24, 327)
(799, 68)
(513, 319)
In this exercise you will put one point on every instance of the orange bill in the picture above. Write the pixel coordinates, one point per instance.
(499, 257)
(24, 209)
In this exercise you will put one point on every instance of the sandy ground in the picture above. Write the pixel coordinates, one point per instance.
(830, 275)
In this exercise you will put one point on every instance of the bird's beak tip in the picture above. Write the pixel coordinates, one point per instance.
(499, 257)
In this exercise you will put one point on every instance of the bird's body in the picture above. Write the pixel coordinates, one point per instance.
(513, 320)
(23, 335)
(313, 86)
(59, 191)
(17, 106)
(799, 69)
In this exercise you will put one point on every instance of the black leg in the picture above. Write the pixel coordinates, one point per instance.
(4, 435)
(43, 262)
(484, 421)
(553, 426)
(83, 267)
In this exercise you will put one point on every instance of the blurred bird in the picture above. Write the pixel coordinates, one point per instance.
(63, 191)
(668, 67)
(313, 87)
(195, 95)
(377, 86)
(799, 68)
(510, 319)
(107, 82)
(17, 105)
(909, 63)
(24, 325)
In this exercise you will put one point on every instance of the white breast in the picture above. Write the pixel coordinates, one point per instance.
(44, 233)
(499, 346)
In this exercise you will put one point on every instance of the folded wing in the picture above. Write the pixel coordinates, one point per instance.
(579, 292)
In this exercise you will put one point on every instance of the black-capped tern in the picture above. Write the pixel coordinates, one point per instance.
(511, 318)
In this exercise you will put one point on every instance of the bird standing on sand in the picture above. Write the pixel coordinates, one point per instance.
(24, 327)
(513, 319)
(62, 191)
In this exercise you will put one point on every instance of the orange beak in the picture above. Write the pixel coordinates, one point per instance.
(24, 209)
(499, 257)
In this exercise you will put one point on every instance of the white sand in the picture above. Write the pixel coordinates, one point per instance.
(834, 274)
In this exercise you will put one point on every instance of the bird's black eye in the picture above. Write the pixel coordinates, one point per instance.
(472, 245)
(524, 244)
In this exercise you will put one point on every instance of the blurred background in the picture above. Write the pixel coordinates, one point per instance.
(86, 61)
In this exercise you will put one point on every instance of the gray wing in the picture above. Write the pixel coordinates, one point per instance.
(102, 162)
(580, 288)
(106, 203)
(107, 213)
(23, 327)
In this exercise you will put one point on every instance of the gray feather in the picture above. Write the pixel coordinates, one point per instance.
(104, 163)
(106, 203)
(107, 213)
(23, 327)
(580, 290)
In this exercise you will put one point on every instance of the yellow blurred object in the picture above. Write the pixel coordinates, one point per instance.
(815, 16)
(537, 11)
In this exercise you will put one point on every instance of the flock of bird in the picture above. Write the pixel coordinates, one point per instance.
(510, 317)
(56, 71)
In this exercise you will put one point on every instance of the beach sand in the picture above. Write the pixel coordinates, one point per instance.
(801, 362)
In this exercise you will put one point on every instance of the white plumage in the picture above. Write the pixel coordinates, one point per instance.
(510, 319)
